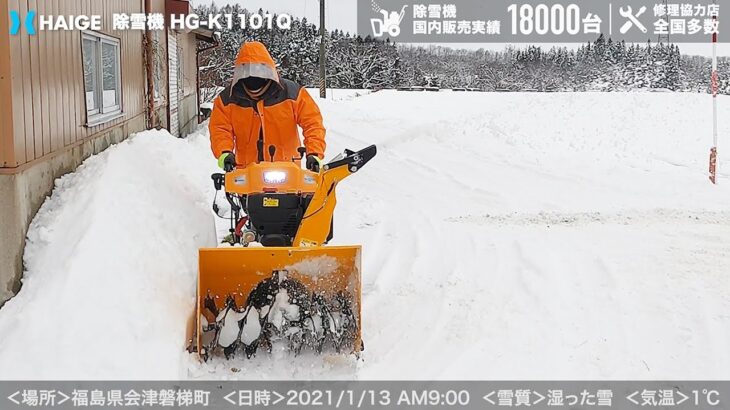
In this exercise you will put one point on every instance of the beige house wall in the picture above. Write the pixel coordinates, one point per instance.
(47, 77)
(43, 122)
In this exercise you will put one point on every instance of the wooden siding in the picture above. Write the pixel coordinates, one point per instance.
(7, 154)
(48, 96)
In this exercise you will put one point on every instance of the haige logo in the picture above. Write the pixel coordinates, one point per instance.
(29, 22)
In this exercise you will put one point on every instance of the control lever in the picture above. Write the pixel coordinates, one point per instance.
(218, 181)
(302, 152)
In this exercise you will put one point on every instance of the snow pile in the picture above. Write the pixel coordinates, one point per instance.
(111, 265)
(315, 267)
(283, 310)
(504, 236)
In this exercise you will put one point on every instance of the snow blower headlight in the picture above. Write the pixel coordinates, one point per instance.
(274, 177)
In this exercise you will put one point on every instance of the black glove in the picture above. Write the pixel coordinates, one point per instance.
(313, 163)
(227, 161)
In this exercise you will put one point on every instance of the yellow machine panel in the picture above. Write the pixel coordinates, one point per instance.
(271, 177)
(331, 273)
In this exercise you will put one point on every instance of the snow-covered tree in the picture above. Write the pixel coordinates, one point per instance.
(355, 62)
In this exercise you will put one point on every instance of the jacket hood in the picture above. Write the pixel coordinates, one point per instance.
(254, 60)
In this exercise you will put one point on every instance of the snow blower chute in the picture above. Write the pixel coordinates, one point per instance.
(278, 286)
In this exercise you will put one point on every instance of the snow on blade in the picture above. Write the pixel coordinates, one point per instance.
(283, 310)
(314, 267)
(230, 328)
(251, 329)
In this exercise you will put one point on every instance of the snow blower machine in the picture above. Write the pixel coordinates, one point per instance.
(278, 286)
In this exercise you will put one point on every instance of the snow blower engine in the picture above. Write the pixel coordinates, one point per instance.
(278, 286)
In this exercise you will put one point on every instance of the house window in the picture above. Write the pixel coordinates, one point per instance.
(102, 78)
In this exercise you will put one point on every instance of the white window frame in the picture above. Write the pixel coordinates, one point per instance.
(102, 114)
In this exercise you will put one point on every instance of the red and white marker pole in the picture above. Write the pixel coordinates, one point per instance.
(714, 86)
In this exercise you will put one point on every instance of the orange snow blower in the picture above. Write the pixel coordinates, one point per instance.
(278, 286)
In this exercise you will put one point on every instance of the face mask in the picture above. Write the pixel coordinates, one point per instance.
(254, 83)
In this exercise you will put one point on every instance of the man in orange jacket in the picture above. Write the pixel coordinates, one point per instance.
(259, 109)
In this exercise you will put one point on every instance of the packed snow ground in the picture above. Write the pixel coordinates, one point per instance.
(505, 236)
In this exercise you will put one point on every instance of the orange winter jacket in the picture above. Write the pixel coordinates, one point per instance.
(238, 122)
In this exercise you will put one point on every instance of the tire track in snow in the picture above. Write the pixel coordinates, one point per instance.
(578, 219)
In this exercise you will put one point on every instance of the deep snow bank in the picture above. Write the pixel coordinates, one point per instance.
(111, 266)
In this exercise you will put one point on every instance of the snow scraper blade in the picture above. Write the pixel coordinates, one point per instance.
(257, 298)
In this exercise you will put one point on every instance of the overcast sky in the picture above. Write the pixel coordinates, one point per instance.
(342, 14)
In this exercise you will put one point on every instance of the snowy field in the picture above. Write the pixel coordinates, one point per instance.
(339, 94)
(505, 236)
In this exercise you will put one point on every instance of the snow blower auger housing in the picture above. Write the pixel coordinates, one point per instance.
(278, 286)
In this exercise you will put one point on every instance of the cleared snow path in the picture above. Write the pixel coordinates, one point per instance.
(531, 236)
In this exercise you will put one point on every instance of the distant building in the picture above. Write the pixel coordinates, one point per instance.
(68, 94)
